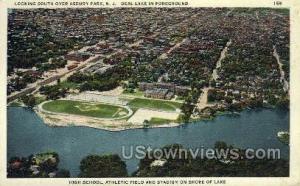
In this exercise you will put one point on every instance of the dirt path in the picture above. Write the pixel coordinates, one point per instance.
(202, 101)
(219, 62)
(138, 42)
(256, 15)
(227, 14)
(165, 55)
(282, 73)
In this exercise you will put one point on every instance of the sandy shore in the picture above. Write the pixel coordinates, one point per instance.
(57, 120)
(143, 114)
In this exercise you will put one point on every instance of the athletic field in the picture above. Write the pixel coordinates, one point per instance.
(154, 104)
(85, 109)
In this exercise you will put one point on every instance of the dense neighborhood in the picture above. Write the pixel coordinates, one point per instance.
(210, 60)
(140, 68)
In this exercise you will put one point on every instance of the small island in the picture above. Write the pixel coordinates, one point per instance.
(284, 137)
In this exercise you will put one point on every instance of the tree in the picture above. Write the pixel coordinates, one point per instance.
(29, 100)
(94, 166)
(187, 110)
(54, 92)
(220, 145)
(213, 83)
(211, 95)
(283, 104)
(146, 123)
(224, 165)
(39, 165)
(228, 99)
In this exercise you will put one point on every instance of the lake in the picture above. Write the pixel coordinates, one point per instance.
(27, 134)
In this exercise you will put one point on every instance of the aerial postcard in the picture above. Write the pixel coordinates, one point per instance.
(149, 92)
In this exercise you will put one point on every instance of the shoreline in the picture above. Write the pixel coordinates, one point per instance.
(62, 120)
(186, 132)
(79, 121)
(120, 125)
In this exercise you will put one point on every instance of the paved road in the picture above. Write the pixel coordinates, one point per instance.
(282, 73)
(219, 62)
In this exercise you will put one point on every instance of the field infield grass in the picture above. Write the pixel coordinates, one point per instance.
(98, 110)
(154, 104)
(160, 121)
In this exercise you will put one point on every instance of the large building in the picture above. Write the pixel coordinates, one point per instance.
(158, 90)
(159, 93)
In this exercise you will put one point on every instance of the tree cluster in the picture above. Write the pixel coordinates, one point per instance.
(42, 165)
(207, 167)
(94, 166)
(53, 91)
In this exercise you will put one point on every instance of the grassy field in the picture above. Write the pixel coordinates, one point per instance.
(40, 99)
(136, 93)
(179, 98)
(67, 84)
(15, 104)
(159, 121)
(154, 104)
(85, 109)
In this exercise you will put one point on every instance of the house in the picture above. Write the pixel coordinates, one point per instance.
(70, 67)
(77, 56)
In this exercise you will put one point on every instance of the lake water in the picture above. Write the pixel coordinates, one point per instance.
(27, 134)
